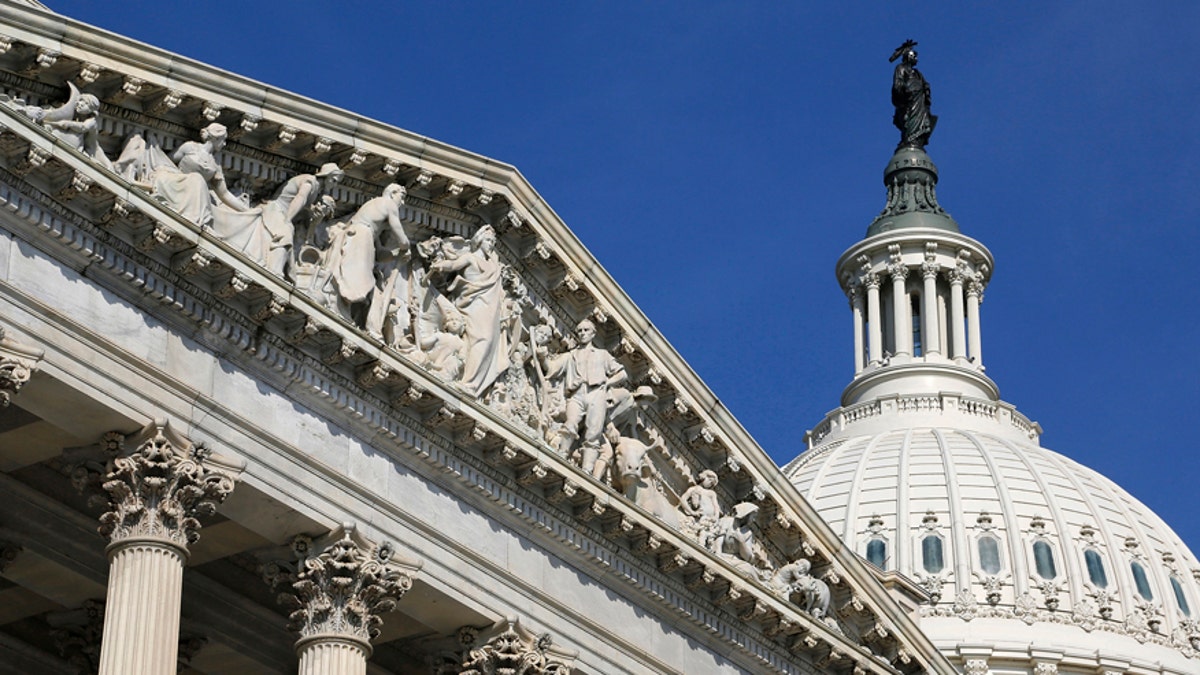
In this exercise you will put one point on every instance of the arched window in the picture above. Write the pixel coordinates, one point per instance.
(1140, 580)
(1043, 560)
(931, 553)
(1180, 598)
(989, 555)
(877, 553)
(1095, 568)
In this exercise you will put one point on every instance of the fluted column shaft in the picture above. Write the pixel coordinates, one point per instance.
(874, 322)
(974, 333)
(957, 320)
(332, 655)
(141, 621)
(929, 330)
(856, 303)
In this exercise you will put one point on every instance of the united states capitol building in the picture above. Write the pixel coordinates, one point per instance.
(284, 389)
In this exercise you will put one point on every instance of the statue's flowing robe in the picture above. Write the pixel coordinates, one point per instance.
(910, 96)
(479, 295)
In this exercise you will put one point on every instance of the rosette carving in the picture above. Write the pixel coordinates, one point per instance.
(342, 585)
(163, 487)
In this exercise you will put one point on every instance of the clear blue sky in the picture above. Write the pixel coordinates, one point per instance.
(718, 157)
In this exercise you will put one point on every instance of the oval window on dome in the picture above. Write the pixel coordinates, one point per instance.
(1095, 568)
(1043, 560)
(1140, 580)
(877, 553)
(989, 555)
(1180, 598)
(931, 553)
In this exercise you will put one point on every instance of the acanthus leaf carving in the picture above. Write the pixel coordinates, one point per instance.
(17, 365)
(341, 584)
(508, 647)
(162, 487)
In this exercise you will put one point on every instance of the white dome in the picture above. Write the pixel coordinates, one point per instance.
(920, 473)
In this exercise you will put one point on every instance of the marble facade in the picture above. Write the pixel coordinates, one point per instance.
(342, 399)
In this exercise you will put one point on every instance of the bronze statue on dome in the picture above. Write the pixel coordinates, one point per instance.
(910, 96)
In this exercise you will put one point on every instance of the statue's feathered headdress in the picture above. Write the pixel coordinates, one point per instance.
(901, 49)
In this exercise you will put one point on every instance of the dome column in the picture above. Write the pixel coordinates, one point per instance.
(930, 328)
(874, 321)
(974, 333)
(957, 318)
(900, 319)
(856, 304)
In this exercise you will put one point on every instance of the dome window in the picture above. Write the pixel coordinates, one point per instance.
(1180, 598)
(1095, 568)
(877, 553)
(931, 553)
(1043, 560)
(1140, 580)
(989, 555)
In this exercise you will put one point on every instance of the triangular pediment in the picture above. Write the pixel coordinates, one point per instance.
(388, 280)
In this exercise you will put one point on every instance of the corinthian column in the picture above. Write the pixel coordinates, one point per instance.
(856, 306)
(155, 495)
(929, 326)
(340, 587)
(974, 334)
(903, 337)
(874, 327)
(17, 364)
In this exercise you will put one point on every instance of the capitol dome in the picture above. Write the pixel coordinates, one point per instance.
(1032, 562)
(1025, 553)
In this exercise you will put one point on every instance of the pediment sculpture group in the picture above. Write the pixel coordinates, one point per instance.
(450, 305)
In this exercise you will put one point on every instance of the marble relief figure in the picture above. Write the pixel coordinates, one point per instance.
(587, 373)
(471, 279)
(451, 305)
(373, 231)
(191, 183)
(795, 581)
(636, 476)
(76, 122)
(294, 198)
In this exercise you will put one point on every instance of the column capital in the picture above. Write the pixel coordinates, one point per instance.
(930, 269)
(975, 285)
(870, 280)
(897, 270)
(160, 489)
(506, 646)
(340, 585)
(17, 365)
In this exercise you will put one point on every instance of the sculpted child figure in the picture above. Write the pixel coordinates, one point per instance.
(700, 503)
